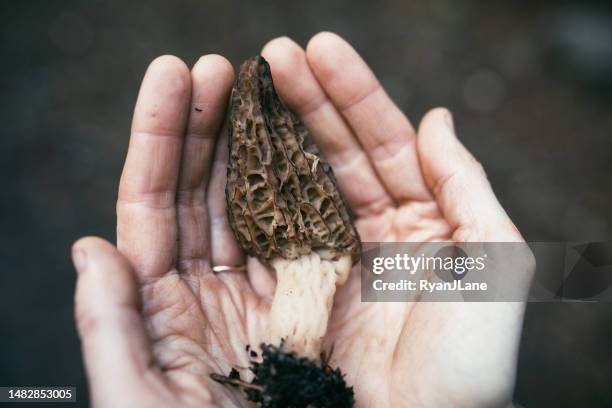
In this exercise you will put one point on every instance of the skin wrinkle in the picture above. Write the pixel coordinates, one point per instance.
(192, 173)
(406, 321)
(342, 145)
(235, 294)
(413, 219)
(155, 200)
(358, 99)
(372, 207)
(206, 132)
(194, 266)
(194, 394)
(152, 372)
(179, 373)
(191, 198)
(158, 133)
(148, 271)
(158, 332)
(319, 104)
(209, 307)
(376, 228)
(192, 246)
(346, 157)
(156, 289)
(383, 149)
(236, 342)
(367, 208)
(193, 241)
(441, 183)
(185, 343)
(219, 309)
(191, 185)
(180, 355)
(391, 149)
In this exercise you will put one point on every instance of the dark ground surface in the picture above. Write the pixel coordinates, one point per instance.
(530, 83)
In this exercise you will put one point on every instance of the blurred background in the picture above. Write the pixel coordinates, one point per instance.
(529, 82)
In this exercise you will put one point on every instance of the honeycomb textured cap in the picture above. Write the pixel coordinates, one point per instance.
(282, 196)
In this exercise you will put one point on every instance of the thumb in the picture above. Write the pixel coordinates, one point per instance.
(114, 342)
(459, 183)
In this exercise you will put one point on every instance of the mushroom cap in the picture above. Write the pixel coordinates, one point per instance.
(282, 196)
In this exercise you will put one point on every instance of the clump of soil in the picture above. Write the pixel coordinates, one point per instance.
(283, 379)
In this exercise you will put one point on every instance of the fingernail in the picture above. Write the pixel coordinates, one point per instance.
(79, 257)
(448, 118)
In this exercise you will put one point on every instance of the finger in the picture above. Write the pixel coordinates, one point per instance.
(224, 248)
(459, 183)
(299, 89)
(211, 79)
(113, 338)
(261, 279)
(383, 130)
(146, 214)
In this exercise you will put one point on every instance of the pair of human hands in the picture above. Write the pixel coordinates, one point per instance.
(154, 319)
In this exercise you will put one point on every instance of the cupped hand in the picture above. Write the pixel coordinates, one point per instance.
(155, 320)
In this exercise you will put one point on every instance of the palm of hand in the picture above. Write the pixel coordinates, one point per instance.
(201, 326)
(172, 227)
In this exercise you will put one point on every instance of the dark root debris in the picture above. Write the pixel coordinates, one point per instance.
(283, 379)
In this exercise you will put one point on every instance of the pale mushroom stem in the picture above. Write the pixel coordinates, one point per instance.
(304, 296)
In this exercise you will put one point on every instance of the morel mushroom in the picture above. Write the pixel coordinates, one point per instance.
(285, 209)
